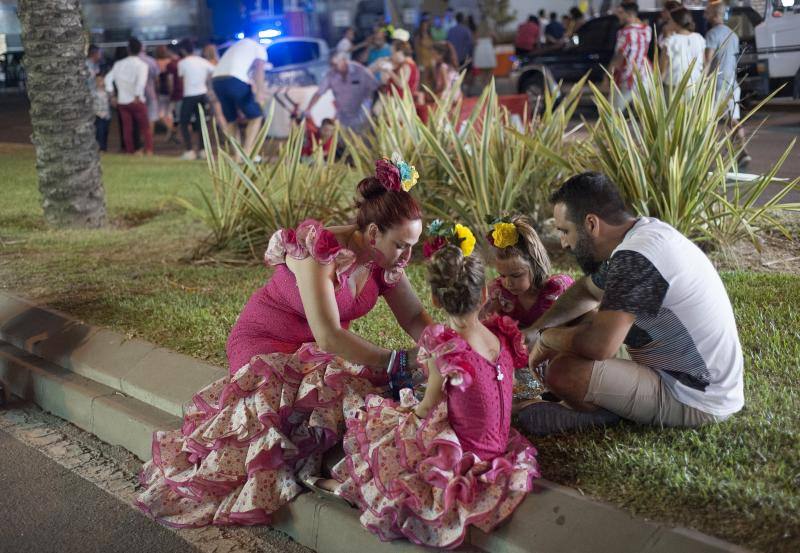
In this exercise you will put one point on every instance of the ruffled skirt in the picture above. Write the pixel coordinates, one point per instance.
(410, 477)
(246, 437)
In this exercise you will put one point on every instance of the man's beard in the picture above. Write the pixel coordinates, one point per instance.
(584, 253)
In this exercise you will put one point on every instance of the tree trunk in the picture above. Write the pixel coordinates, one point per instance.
(62, 113)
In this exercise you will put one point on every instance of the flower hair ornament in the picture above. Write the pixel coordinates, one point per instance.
(396, 174)
(503, 233)
(441, 234)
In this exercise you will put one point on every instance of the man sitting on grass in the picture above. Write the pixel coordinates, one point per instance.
(656, 292)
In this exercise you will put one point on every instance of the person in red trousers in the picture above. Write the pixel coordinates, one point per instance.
(129, 75)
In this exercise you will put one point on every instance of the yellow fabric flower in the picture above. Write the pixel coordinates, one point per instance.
(467, 239)
(504, 235)
(409, 183)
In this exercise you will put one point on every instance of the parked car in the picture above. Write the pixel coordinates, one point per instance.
(297, 61)
(593, 47)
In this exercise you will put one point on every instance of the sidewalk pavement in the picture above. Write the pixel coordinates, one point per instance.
(122, 390)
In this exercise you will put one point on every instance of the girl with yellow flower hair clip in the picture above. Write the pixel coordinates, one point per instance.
(525, 289)
(457, 441)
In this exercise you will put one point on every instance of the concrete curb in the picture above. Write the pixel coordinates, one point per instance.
(156, 376)
(94, 407)
(122, 390)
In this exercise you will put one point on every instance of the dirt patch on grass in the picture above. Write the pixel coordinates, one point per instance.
(775, 254)
(131, 219)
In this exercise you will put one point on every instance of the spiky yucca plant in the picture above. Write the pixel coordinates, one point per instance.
(487, 167)
(396, 128)
(289, 190)
(250, 200)
(550, 133)
(671, 155)
(223, 209)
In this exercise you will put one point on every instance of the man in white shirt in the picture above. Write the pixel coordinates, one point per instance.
(195, 72)
(130, 77)
(345, 45)
(656, 292)
(241, 66)
(543, 22)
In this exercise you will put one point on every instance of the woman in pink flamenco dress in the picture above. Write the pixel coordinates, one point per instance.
(426, 471)
(294, 366)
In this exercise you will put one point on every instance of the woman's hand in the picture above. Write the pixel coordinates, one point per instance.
(538, 355)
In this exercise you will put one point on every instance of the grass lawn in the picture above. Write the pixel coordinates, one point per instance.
(739, 480)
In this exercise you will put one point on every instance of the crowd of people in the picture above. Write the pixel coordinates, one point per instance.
(681, 51)
(177, 88)
(171, 87)
(543, 30)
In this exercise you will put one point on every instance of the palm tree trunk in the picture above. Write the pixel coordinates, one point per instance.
(62, 114)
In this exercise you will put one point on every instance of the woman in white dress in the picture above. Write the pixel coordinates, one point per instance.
(483, 57)
(682, 50)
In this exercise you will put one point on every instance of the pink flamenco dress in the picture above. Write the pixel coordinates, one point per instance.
(245, 437)
(503, 302)
(428, 480)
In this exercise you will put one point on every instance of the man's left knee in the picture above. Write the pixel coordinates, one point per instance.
(568, 373)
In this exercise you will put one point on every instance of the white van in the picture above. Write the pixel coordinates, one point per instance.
(778, 46)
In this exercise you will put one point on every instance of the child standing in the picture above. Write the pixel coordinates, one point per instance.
(102, 112)
(427, 470)
(525, 289)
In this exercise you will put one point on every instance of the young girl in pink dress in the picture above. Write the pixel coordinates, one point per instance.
(248, 438)
(525, 289)
(427, 470)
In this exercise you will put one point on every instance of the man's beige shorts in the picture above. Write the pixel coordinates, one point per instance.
(637, 393)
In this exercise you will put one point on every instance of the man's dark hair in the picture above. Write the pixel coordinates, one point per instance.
(186, 47)
(553, 16)
(591, 193)
(93, 49)
(541, 13)
(134, 46)
(326, 121)
(683, 18)
(532, 18)
(459, 17)
(631, 8)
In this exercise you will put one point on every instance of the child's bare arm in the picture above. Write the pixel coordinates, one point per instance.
(433, 393)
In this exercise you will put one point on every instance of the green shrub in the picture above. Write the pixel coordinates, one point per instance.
(671, 157)
(248, 201)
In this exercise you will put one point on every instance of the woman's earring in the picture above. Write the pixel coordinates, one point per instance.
(372, 242)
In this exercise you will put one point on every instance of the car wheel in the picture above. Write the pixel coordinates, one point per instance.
(532, 84)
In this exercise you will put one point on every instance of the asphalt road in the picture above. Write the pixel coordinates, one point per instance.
(63, 490)
(46, 507)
